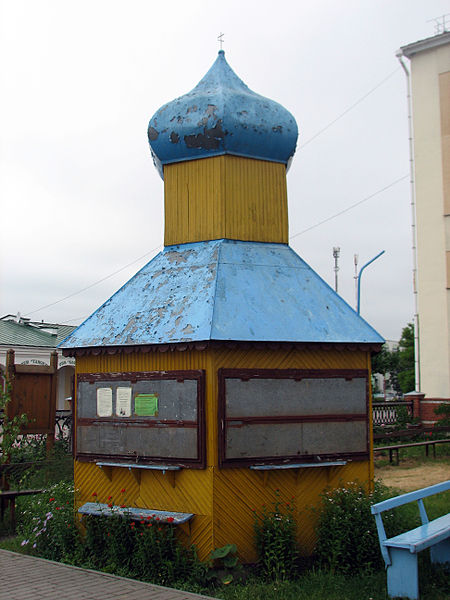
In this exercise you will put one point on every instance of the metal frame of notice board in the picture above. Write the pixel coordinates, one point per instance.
(91, 427)
(252, 417)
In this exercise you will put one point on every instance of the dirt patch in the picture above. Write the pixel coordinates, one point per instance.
(408, 478)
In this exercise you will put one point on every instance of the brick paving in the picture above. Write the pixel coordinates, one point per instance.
(29, 578)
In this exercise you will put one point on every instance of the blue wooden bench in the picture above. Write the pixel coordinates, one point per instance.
(400, 552)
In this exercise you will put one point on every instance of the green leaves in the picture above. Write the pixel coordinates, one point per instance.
(276, 544)
(346, 530)
(224, 564)
(10, 427)
(397, 365)
(224, 551)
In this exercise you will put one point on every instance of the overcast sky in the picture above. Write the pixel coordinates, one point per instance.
(79, 81)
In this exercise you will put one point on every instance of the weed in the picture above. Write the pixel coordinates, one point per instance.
(276, 545)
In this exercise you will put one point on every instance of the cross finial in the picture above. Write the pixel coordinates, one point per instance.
(220, 39)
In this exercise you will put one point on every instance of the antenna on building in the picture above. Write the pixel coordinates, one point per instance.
(441, 24)
(336, 252)
(220, 39)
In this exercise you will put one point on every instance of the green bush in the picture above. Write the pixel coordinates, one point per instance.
(444, 410)
(346, 531)
(276, 544)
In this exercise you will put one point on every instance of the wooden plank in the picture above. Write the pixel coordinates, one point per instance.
(99, 509)
(422, 537)
(410, 497)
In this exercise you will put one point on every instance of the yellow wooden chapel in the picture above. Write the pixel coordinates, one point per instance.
(226, 371)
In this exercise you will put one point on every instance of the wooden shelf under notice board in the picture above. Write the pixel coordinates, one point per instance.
(136, 470)
(329, 465)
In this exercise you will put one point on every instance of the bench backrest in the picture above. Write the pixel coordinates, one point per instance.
(410, 497)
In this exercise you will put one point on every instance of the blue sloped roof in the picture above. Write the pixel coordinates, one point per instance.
(223, 290)
(221, 115)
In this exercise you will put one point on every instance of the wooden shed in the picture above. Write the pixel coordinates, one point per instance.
(226, 368)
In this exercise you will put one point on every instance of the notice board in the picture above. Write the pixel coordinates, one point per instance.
(146, 417)
(292, 415)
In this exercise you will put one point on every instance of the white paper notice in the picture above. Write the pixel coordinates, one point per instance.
(104, 402)
(123, 402)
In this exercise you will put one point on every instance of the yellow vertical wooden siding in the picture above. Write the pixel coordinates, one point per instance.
(222, 499)
(225, 197)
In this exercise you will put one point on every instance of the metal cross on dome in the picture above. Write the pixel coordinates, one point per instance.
(220, 39)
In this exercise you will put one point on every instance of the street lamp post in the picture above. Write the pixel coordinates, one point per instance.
(359, 278)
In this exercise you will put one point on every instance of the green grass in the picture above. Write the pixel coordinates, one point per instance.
(416, 455)
(325, 585)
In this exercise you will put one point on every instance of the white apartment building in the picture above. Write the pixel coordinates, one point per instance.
(430, 92)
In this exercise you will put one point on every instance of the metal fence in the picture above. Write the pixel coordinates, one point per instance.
(386, 413)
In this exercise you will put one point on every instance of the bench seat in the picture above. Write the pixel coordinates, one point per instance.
(99, 509)
(422, 537)
(9, 496)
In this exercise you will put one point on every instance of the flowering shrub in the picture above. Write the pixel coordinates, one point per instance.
(346, 531)
(48, 524)
(147, 549)
(276, 545)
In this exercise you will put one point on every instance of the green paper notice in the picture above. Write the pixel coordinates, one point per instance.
(146, 405)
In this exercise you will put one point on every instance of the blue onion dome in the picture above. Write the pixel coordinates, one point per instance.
(221, 115)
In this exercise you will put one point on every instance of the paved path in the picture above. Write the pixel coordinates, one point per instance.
(28, 578)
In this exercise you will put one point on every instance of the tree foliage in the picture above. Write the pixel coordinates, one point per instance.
(10, 427)
(397, 366)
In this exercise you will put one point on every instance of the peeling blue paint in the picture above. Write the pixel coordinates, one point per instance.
(223, 290)
(221, 115)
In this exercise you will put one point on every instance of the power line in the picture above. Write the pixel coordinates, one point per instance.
(88, 287)
(341, 212)
(347, 109)
(78, 319)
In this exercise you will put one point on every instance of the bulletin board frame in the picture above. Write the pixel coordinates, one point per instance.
(227, 421)
(139, 423)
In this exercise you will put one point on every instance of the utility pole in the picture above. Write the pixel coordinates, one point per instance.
(336, 252)
(355, 277)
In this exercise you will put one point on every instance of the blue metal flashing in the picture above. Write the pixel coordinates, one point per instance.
(221, 115)
(223, 290)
